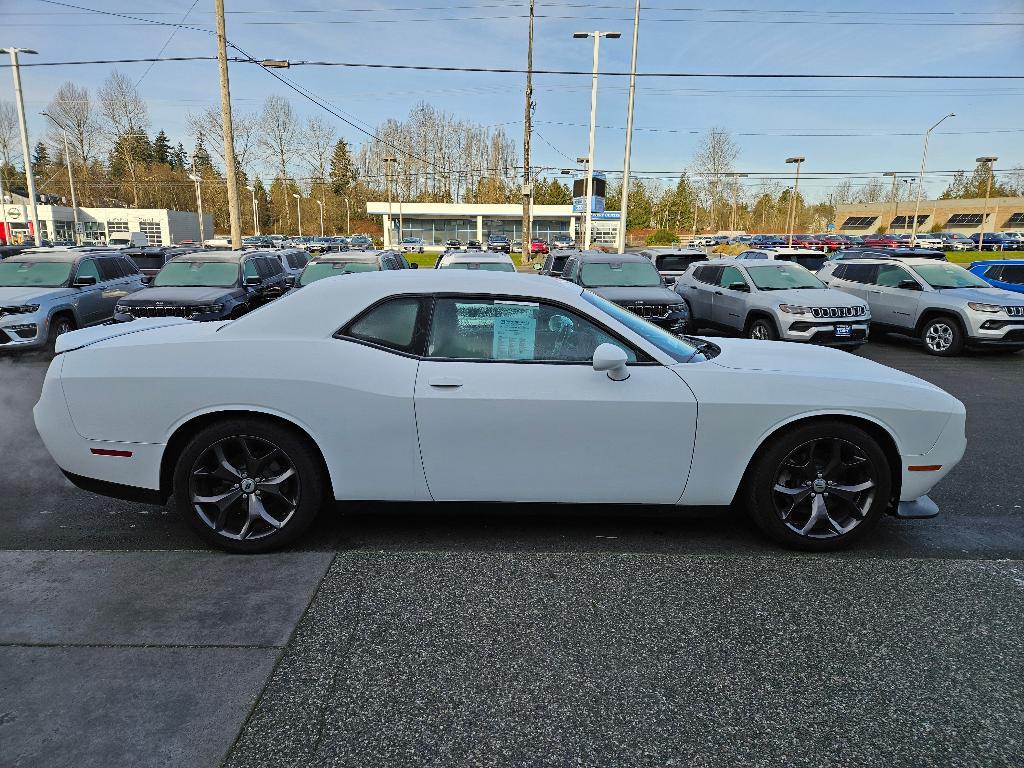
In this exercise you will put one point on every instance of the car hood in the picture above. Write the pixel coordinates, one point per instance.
(653, 295)
(10, 297)
(984, 295)
(188, 295)
(815, 297)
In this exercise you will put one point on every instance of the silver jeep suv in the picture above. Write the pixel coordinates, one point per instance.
(943, 304)
(772, 299)
(47, 292)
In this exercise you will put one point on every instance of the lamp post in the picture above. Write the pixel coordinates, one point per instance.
(348, 218)
(735, 191)
(895, 199)
(624, 205)
(589, 219)
(199, 206)
(26, 155)
(388, 161)
(298, 209)
(920, 179)
(321, 204)
(792, 203)
(255, 211)
(988, 191)
(71, 178)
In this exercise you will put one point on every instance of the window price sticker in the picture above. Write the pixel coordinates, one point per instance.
(514, 336)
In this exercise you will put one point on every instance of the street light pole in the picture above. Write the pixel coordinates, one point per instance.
(199, 207)
(71, 178)
(255, 211)
(624, 206)
(527, 131)
(920, 179)
(988, 191)
(589, 218)
(387, 181)
(298, 209)
(19, 100)
(735, 191)
(348, 217)
(321, 204)
(792, 203)
(895, 199)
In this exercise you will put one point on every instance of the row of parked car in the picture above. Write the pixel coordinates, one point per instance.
(943, 241)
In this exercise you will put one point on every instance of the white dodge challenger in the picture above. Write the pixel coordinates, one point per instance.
(444, 385)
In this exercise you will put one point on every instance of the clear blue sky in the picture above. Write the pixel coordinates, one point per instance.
(783, 36)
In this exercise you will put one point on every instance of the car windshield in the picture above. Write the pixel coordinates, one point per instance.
(783, 277)
(948, 276)
(42, 274)
(322, 269)
(677, 348)
(625, 274)
(411, 240)
(484, 266)
(205, 274)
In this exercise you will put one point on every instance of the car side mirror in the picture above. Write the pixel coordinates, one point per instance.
(611, 359)
(289, 281)
(909, 285)
(85, 280)
(252, 282)
(147, 279)
(739, 287)
(414, 265)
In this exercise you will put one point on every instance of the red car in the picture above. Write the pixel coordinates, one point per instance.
(834, 242)
(885, 241)
(538, 246)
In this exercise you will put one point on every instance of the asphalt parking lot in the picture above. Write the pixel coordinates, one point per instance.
(476, 635)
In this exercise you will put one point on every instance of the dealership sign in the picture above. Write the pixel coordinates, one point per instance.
(14, 213)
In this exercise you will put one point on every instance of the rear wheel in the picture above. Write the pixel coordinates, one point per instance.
(247, 485)
(943, 336)
(762, 329)
(819, 487)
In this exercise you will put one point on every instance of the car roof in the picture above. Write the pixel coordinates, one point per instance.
(668, 250)
(349, 256)
(61, 254)
(791, 251)
(911, 260)
(233, 256)
(998, 263)
(599, 257)
(480, 257)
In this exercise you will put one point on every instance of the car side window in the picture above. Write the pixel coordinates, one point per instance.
(110, 268)
(860, 273)
(569, 270)
(839, 271)
(391, 324)
(891, 275)
(128, 267)
(729, 276)
(273, 265)
(708, 275)
(1013, 274)
(249, 268)
(87, 268)
(508, 331)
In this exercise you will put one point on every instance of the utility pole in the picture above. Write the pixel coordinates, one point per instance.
(893, 195)
(255, 211)
(735, 193)
(348, 218)
(71, 178)
(229, 131)
(987, 161)
(30, 181)
(624, 206)
(388, 161)
(298, 210)
(321, 204)
(792, 203)
(527, 131)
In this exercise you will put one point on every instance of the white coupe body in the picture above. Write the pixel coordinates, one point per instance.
(398, 426)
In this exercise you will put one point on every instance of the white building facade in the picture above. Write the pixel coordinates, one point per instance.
(438, 222)
(57, 222)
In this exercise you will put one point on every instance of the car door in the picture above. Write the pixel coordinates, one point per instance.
(92, 308)
(698, 291)
(114, 285)
(728, 306)
(855, 279)
(256, 293)
(891, 304)
(509, 408)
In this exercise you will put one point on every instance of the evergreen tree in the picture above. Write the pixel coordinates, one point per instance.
(201, 158)
(178, 157)
(162, 148)
(41, 156)
(342, 171)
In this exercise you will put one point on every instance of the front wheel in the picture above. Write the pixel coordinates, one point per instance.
(247, 485)
(819, 487)
(762, 329)
(943, 337)
(58, 327)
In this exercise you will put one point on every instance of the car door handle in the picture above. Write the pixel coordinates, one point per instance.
(719, 293)
(445, 382)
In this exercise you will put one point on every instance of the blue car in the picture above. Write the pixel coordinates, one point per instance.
(995, 241)
(1002, 273)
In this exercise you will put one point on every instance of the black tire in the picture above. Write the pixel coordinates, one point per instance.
(245, 443)
(762, 329)
(943, 336)
(851, 515)
(59, 325)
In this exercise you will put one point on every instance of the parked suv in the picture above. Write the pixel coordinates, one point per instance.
(209, 286)
(292, 259)
(1002, 273)
(349, 262)
(555, 260)
(499, 243)
(673, 262)
(772, 300)
(806, 257)
(49, 292)
(887, 253)
(631, 281)
(152, 258)
(994, 241)
(943, 304)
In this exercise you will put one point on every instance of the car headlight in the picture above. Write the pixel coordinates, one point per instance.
(208, 309)
(989, 308)
(793, 309)
(20, 309)
(124, 309)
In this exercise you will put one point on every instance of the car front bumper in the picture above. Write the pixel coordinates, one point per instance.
(988, 330)
(25, 331)
(825, 332)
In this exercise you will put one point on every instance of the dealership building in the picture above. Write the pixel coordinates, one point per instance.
(438, 222)
(998, 214)
(57, 222)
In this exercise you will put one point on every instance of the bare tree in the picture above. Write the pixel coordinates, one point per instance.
(715, 157)
(126, 121)
(207, 126)
(8, 139)
(72, 107)
(279, 140)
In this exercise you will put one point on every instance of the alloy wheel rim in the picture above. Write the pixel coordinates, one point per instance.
(939, 337)
(62, 327)
(824, 488)
(759, 332)
(244, 488)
